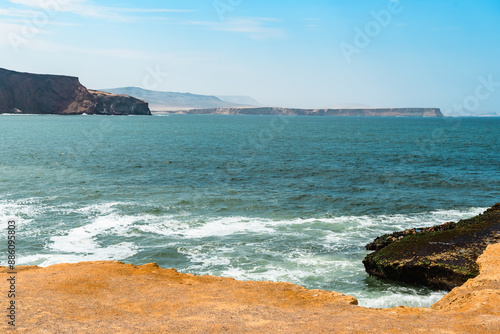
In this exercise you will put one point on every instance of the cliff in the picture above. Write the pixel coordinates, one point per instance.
(112, 297)
(401, 112)
(442, 256)
(27, 93)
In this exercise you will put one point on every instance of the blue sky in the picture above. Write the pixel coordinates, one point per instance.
(309, 54)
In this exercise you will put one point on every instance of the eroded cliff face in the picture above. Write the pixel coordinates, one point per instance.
(27, 93)
(398, 112)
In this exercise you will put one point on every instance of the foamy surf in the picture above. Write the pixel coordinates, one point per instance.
(323, 252)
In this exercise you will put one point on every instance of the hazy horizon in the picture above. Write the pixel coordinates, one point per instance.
(316, 54)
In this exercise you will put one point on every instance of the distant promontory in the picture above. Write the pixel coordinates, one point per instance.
(26, 93)
(399, 112)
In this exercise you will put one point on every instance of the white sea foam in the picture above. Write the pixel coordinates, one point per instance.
(228, 226)
(101, 208)
(24, 207)
(345, 231)
(218, 227)
(111, 253)
(81, 244)
(348, 229)
(312, 252)
(395, 299)
(82, 239)
(22, 211)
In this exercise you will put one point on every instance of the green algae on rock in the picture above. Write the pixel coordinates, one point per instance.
(441, 257)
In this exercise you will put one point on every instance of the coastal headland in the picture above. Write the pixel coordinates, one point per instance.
(27, 93)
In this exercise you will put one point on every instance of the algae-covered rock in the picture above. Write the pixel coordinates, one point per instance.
(443, 256)
(387, 239)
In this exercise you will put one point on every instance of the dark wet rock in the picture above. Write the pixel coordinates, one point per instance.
(442, 256)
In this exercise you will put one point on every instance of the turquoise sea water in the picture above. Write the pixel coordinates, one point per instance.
(255, 198)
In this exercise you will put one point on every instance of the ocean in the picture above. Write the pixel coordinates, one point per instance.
(251, 197)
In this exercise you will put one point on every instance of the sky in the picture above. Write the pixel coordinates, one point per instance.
(304, 54)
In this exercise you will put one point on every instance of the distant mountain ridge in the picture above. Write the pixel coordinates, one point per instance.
(171, 101)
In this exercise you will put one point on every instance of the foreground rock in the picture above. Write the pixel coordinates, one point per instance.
(26, 93)
(442, 256)
(112, 297)
(400, 112)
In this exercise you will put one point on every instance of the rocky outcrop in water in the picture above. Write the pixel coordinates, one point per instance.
(399, 112)
(26, 93)
(442, 256)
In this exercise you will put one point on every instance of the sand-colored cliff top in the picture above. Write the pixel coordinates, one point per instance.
(112, 297)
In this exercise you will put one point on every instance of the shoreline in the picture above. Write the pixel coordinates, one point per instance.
(112, 297)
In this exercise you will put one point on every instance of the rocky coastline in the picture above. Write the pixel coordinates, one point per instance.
(113, 297)
(26, 93)
(442, 256)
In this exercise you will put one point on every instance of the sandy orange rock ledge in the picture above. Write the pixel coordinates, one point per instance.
(112, 297)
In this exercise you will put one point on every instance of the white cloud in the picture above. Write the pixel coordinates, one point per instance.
(312, 23)
(46, 46)
(153, 10)
(255, 28)
(12, 12)
(7, 27)
(86, 8)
